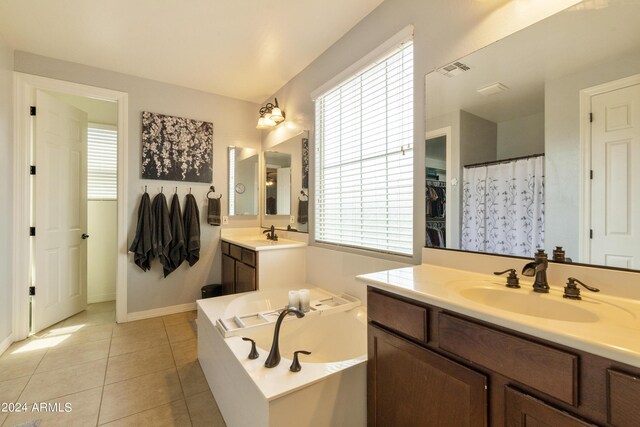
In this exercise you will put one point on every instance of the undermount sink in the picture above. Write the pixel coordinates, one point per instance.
(529, 304)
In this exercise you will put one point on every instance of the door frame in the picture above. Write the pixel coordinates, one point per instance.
(584, 227)
(430, 134)
(24, 88)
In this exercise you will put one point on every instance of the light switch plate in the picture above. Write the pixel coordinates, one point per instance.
(292, 220)
(225, 220)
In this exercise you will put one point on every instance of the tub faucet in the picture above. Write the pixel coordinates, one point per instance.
(271, 234)
(538, 268)
(274, 355)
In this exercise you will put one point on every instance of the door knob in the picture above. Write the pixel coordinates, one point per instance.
(84, 236)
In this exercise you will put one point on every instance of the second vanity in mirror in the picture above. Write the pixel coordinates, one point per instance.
(534, 141)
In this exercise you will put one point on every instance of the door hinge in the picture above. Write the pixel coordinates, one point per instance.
(32, 231)
(32, 110)
(590, 117)
(591, 174)
(32, 170)
(32, 290)
(591, 234)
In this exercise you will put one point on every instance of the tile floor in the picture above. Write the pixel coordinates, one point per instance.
(143, 373)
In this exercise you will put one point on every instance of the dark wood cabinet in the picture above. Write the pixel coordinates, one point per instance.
(522, 410)
(245, 278)
(412, 386)
(430, 366)
(239, 269)
(228, 274)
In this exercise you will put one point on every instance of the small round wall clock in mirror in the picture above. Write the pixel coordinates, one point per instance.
(240, 188)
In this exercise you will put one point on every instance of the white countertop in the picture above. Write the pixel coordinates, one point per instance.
(615, 335)
(260, 243)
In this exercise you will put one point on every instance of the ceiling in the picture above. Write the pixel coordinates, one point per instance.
(245, 49)
(576, 39)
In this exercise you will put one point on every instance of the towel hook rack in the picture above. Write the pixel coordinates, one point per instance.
(176, 190)
(212, 189)
(303, 195)
(189, 190)
(161, 189)
(145, 188)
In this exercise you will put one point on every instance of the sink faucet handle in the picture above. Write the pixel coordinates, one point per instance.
(572, 291)
(295, 365)
(253, 354)
(512, 279)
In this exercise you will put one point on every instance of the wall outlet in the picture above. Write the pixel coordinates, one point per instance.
(292, 220)
(225, 220)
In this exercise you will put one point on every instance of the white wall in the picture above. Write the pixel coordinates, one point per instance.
(233, 123)
(6, 189)
(562, 146)
(102, 223)
(522, 136)
(444, 31)
(478, 139)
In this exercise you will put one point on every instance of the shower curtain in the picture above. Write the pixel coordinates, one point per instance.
(503, 207)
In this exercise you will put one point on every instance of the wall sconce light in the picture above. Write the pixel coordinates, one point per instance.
(270, 116)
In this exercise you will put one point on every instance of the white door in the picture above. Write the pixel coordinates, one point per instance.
(615, 188)
(283, 188)
(59, 209)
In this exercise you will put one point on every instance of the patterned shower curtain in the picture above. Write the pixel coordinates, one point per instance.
(503, 207)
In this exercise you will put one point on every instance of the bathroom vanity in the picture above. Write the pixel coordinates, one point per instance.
(438, 356)
(251, 262)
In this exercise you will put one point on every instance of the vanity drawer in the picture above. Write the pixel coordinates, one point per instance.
(249, 257)
(226, 248)
(624, 396)
(403, 317)
(236, 252)
(543, 368)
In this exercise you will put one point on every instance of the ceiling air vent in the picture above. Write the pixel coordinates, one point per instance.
(453, 69)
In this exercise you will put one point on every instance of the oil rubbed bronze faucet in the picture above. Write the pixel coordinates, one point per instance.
(538, 268)
(271, 234)
(274, 355)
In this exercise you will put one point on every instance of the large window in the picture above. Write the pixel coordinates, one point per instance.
(364, 157)
(102, 162)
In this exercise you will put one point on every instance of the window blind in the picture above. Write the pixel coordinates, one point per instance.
(102, 162)
(364, 158)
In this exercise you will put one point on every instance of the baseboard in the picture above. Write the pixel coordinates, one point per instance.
(164, 311)
(5, 343)
(92, 299)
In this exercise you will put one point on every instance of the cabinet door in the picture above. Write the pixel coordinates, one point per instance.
(524, 410)
(245, 278)
(409, 385)
(228, 274)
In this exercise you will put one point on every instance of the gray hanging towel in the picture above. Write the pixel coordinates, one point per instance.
(145, 239)
(178, 249)
(192, 229)
(213, 212)
(160, 212)
(303, 211)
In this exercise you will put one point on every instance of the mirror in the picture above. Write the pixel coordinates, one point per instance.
(277, 184)
(510, 149)
(285, 184)
(243, 181)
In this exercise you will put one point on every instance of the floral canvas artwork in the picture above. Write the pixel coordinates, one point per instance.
(176, 148)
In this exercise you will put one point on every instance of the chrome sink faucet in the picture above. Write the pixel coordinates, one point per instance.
(538, 268)
(271, 234)
(274, 355)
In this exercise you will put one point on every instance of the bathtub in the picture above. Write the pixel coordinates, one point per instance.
(330, 390)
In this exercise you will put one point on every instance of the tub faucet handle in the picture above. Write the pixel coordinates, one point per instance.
(253, 354)
(512, 279)
(295, 365)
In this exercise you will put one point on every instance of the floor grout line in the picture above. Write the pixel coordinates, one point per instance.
(104, 379)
